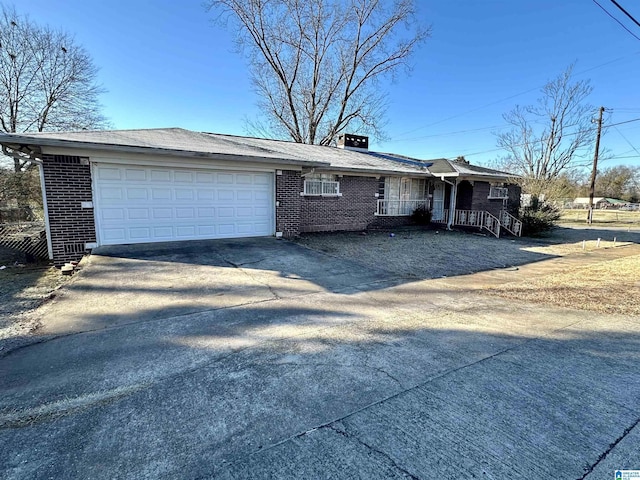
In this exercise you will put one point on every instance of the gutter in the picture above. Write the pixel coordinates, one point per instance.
(447, 181)
(370, 172)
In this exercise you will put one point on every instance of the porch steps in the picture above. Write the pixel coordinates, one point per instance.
(484, 221)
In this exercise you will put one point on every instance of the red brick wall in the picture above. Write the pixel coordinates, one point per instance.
(494, 206)
(68, 182)
(482, 202)
(288, 188)
(354, 210)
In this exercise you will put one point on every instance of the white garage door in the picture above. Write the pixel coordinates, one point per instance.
(157, 204)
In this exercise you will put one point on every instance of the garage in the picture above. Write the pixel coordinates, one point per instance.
(139, 204)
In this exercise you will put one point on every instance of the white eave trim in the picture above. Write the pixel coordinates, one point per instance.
(361, 172)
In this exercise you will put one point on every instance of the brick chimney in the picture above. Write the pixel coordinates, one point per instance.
(353, 142)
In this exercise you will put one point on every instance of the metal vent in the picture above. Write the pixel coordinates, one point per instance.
(74, 248)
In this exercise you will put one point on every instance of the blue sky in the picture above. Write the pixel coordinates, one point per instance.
(165, 63)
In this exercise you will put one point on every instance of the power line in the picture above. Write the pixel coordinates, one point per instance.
(625, 12)
(626, 140)
(482, 107)
(446, 134)
(622, 123)
(621, 24)
(606, 127)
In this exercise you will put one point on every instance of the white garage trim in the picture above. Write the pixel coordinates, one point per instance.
(198, 163)
(144, 203)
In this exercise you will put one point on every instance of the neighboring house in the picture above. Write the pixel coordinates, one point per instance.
(599, 202)
(137, 186)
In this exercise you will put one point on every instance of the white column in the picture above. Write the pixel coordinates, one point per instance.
(452, 203)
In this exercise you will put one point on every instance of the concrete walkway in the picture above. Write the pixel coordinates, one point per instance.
(348, 375)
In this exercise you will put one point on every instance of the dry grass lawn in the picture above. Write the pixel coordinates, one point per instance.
(607, 287)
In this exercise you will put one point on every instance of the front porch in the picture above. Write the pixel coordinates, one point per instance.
(481, 219)
(478, 203)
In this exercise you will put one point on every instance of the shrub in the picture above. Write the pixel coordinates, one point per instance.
(421, 215)
(538, 218)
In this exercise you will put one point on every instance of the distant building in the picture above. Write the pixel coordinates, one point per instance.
(598, 202)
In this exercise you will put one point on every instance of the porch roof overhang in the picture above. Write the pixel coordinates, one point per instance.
(478, 177)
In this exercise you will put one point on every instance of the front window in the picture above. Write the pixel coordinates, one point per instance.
(498, 192)
(396, 188)
(401, 196)
(321, 184)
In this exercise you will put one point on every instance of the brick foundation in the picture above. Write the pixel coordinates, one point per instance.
(389, 222)
(68, 183)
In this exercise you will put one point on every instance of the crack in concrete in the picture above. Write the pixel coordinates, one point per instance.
(403, 391)
(589, 469)
(239, 266)
(385, 455)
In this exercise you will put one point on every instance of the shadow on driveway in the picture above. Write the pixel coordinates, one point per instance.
(379, 385)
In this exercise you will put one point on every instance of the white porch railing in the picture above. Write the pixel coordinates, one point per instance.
(469, 218)
(483, 219)
(511, 223)
(398, 208)
(492, 224)
(477, 218)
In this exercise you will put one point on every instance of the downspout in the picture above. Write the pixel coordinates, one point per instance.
(32, 157)
(452, 200)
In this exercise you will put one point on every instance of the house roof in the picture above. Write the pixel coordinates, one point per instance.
(159, 141)
(335, 158)
(181, 142)
(454, 168)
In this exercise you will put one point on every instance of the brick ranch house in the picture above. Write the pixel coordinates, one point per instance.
(157, 185)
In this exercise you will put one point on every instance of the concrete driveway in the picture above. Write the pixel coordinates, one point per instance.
(262, 359)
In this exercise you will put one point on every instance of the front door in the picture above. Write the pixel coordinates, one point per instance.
(437, 213)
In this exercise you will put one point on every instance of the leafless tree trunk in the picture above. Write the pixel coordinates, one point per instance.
(551, 137)
(47, 81)
(318, 65)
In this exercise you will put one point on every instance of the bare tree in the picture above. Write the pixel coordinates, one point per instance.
(551, 137)
(47, 81)
(318, 65)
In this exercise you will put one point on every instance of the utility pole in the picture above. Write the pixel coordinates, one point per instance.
(592, 186)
